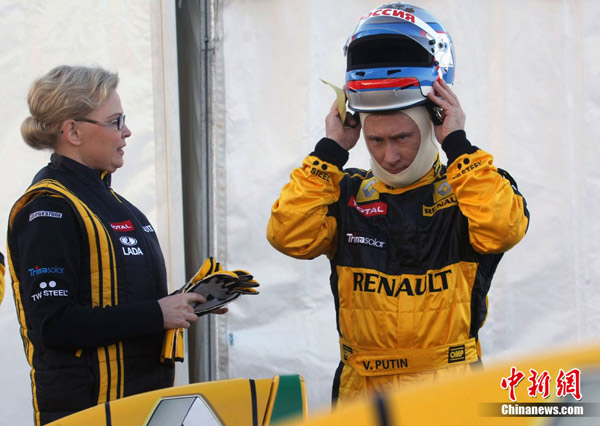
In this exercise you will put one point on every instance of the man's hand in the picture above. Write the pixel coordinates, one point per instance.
(452, 114)
(177, 311)
(345, 134)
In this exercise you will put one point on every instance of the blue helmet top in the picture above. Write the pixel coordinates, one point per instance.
(394, 55)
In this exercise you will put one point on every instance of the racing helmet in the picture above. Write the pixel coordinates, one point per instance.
(394, 55)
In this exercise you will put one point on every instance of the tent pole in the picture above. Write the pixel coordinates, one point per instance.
(195, 48)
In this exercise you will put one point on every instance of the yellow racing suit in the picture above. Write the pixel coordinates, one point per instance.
(410, 267)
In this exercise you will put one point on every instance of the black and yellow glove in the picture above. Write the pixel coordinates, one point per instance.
(173, 340)
(219, 288)
(246, 282)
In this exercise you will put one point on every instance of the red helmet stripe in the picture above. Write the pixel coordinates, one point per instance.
(384, 83)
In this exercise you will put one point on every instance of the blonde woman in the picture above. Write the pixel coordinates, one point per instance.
(88, 274)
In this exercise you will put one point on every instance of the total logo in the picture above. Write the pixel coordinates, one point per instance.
(125, 226)
(48, 289)
(130, 249)
(371, 209)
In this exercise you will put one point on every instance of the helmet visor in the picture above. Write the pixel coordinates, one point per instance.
(381, 51)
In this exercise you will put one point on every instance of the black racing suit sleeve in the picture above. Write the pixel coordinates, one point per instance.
(457, 144)
(51, 267)
(330, 151)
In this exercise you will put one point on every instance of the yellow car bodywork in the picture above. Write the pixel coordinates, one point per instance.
(230, 402)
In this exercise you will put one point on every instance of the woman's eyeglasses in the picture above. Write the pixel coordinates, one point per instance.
(118, 123)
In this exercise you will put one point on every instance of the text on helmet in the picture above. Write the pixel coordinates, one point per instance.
(395, 13)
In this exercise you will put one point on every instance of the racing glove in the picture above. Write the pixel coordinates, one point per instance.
(219, 288)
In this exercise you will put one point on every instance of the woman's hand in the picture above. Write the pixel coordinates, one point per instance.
(178, 312)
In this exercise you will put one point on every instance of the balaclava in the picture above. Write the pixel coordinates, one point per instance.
(426, 155)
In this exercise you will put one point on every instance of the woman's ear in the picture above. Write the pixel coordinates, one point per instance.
(71, 132)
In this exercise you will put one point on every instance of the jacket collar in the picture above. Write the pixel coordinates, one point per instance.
(431, 176)
(79, 171)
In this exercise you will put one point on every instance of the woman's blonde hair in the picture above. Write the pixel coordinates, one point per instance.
(65, 92)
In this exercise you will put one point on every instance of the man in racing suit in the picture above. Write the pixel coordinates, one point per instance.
(412, 248)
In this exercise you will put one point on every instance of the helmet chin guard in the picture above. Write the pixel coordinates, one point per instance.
(394, 55)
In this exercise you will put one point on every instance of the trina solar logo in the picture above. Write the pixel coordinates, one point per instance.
(353, 238)
(373, 209)
(35, 271)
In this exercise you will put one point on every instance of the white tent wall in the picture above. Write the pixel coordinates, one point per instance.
(135, 38)
(527, 77)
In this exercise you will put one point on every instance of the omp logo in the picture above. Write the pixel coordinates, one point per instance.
(368, 210)
(128, 241)
(125, 226)
(148, 228)
(34, 272)
(45, 213)
(456, 353)
(357, 239)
